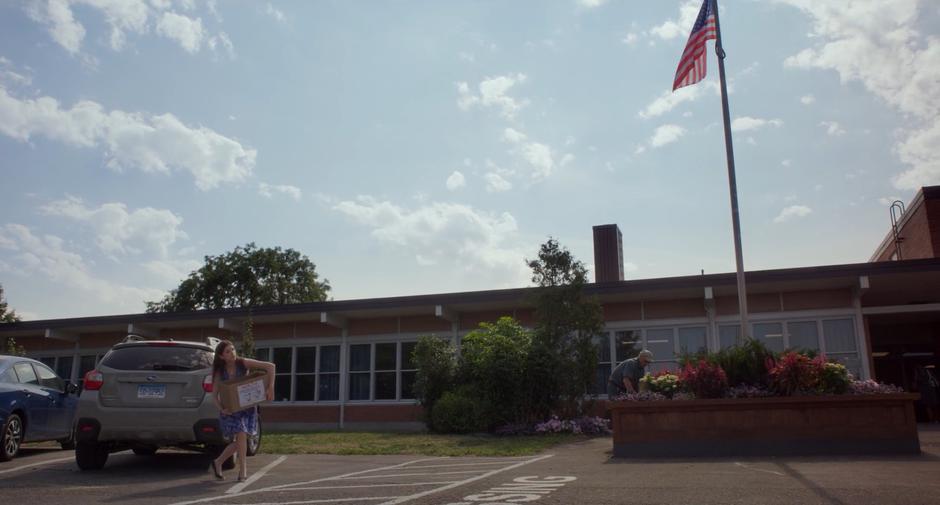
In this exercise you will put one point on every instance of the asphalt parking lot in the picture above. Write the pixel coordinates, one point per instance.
(576, 473)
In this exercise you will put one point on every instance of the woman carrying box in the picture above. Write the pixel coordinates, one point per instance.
(236, 426)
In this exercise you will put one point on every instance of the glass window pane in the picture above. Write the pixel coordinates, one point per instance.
(282, 388)
(803, 335)
(628, 344)
(600, 380)
(25, 373)
(147, 357)
(408, 385)
(660, 342)
(602, 342)
(728, 336)
(306, 359)
(329, 387)
(691, 340)
(48, 378)
(64, 367)
(384, 385)
(839, 335)
(359, 357)
(771, 334)
(851, 362)
(329, 358)
(359, 386)
(282, 359)
(385, 356)
(306, 387)
(407, 349)
(263, 354)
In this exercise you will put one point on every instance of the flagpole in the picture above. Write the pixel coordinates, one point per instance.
(732, 183)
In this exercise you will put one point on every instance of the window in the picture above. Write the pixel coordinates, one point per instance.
(692, 340)
(660, 342)
(385, 374)
(150, 357)
(306, 374)
(604, 366)
(282, 357)
(771, 334)
(360, 357)
(728, 336)
(803, 335)
(408, 370)
(629, 343)
(839, 338)
(9, 376)
(48, 378)
(24, 371)
(64, 367)
(329, 373)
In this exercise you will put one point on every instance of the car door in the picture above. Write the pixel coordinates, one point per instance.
(37, 402)
(58, 420)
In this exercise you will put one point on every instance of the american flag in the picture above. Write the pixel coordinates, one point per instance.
(692, 64)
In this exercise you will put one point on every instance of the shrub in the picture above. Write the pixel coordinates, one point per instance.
(460, 411)
(437, 365)
(795, 373)
(664, 382)
(704, 380)
(493, 361)
(834, 379)
(743, 364)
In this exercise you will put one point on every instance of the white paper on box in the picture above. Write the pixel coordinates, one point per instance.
(251, 393)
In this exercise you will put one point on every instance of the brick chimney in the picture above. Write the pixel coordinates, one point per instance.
(608, 253)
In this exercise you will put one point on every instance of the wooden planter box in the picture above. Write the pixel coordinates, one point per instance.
(811, 425)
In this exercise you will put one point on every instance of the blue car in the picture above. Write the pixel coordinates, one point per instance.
(35, 405)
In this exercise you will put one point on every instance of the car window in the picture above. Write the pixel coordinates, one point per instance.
(25, 373)
(48, 378)
(148, 357)
(9, 376)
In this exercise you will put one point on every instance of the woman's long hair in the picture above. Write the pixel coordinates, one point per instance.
(218, 364)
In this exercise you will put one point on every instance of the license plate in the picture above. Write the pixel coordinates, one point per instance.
(151, 391)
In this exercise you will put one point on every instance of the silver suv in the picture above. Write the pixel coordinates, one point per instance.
(148, 394)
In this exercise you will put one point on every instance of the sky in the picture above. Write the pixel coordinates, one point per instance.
(416, 147)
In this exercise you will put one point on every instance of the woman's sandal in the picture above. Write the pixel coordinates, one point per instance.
(217, 471)
(242, 478)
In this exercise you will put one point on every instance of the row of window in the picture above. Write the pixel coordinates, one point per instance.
(667, 344)
(375, 371)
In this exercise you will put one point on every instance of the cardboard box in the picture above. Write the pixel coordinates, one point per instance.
(243, 392)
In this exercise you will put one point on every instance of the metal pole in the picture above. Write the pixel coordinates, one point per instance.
(732, 184)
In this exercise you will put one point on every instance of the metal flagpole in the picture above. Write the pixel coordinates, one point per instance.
(732, 184)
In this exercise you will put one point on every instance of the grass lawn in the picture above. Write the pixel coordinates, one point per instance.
(347, 442)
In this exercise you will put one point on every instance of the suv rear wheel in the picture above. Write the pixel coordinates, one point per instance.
(91, 455)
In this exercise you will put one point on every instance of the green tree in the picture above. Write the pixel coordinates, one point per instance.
(563, 360)
(7, 315)
(492, 360)
(436, 362)
(247, 277)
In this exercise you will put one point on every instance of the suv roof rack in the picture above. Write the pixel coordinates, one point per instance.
(133, 338)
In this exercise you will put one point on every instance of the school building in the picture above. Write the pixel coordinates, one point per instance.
(346, 363)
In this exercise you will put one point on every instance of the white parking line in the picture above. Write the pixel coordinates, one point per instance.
(365, 485)
(257, 475)
(408, 474)
(37, 464)
(463, 464)
(331, 500)
(460, 483)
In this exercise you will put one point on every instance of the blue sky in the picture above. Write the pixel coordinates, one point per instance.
(422, 147)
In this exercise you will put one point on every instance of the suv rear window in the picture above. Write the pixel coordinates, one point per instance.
(149, 357)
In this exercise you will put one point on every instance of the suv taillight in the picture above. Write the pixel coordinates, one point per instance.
(207, 384)
(93, 380)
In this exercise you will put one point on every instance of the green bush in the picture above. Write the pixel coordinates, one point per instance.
(437, 367)
(460, 411)
(493, 360)
(744, 364)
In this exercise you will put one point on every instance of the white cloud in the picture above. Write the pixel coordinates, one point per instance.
(786, 163)
(493, 93)
(186, 31)
(119, 231)
(630, 39)
(540, 157)
(473, 242)
(495, 183)
(666, 134)
(223, 40)
(680, 26)
(122, 17)
(456, 181)
(670, 100)
(832, 128)
(746, 123)
(791, 212)
(9, 76)
(887, 201)
(47, 256)
(590, 4)
(130, 140)
(268, 190)
(171, 271)
(514, 136)
(878, 43)
(807, 99)
(275, 13)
